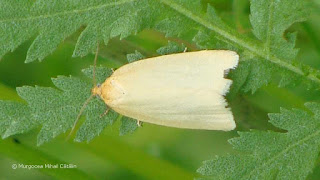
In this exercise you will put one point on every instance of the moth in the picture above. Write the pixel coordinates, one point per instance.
(183, 90)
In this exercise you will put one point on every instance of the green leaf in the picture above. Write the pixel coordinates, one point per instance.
(128, 126)
(94, 123)
(56, 109)
(213, 33)
(171, 48)
(14, 118)
(134, 56)
(51, 22)
(273, 155)
(101, 73)
(270, 19)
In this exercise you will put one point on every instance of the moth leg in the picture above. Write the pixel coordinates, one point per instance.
(185, 49)
(139, 123)
(105, 113)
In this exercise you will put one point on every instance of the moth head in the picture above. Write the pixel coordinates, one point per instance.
(96, 90)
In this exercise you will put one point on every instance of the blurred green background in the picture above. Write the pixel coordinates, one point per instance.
(152, 152)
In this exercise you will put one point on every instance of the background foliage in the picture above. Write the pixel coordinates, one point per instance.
(273, 73)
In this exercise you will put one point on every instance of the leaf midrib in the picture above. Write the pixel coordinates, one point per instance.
(270, 23)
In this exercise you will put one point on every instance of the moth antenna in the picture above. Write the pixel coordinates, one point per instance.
(78, 117)
(94, 66)
(91, 96)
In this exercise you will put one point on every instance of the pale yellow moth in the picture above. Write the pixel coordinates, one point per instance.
(183, 90)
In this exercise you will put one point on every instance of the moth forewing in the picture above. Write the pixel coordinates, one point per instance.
(184, 90)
